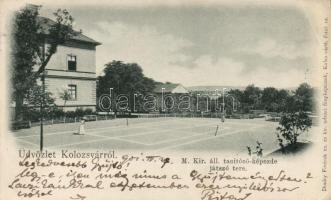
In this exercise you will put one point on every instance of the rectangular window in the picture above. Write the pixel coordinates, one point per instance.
(72, 62)
(72, 89)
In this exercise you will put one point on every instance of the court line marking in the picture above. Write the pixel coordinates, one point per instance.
(131, 135)
(181, 138)
(118, 137)
(96, 133)
(105, 138)
(154, 132)
(158, 123)
(31, 143)
(111, 127)
(166, 130)
(149, 144)
(212, 137)
(53, 133)
(141, 125)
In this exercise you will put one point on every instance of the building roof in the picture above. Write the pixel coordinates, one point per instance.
(213, 88)
(168, 87)
(46, 23)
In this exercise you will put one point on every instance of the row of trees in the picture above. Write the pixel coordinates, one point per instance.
(276, 100)
(128, 79)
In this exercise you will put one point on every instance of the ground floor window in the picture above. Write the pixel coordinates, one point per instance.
(72, 89)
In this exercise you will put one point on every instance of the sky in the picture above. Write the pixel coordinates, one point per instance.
(203, 45)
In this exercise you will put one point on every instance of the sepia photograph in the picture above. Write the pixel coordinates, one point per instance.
(183, 78)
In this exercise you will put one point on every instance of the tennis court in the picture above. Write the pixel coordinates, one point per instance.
(156, 134)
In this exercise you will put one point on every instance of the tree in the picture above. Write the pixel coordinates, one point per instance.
(301, 100)
(33, 46)
(304, 97)
(238, 95)
(58, 33)
(32, 103)
(252, 97)
(292, 125)
(34, 97)
(65, 96)
(269, 99)
(25, 44)
(282, 97)
(125, 79)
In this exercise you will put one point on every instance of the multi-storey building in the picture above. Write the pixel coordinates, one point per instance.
(72, 69)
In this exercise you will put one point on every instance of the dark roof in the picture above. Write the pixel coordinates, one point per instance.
(46, 23)
(168, 87)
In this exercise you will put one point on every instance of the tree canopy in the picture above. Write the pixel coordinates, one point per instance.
(276, 100)
(305, 97)
(25, 45)
(124, 78)
(32, 48)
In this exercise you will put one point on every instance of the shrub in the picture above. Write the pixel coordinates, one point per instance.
(56, 113)
(292, 125)
(88, 111)
(31, 114)
(79, 112)
(70, 114)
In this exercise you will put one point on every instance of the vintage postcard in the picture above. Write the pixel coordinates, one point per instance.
(165, 100)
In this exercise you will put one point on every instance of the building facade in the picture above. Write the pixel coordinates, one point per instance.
(72, 71)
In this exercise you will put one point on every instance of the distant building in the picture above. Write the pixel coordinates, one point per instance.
(72, 68)
(166, 93)
(170, 88)
(214, 92)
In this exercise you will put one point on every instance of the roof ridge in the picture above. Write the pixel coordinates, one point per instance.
(47, 22)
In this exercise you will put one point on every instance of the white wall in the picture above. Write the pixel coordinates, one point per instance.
(85, 59)
(86, 90)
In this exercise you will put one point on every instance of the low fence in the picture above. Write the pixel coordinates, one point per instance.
(195, 115)
(64, 120)
(180, 115)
